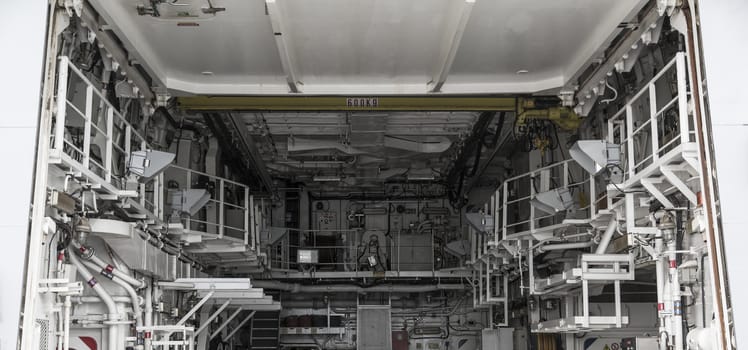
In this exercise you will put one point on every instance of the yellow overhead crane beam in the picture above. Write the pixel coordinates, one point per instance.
(526, 107)
(343, 103)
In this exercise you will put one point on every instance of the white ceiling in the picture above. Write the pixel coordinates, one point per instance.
(353, 47)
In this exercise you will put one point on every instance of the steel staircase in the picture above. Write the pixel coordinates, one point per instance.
(265, 333)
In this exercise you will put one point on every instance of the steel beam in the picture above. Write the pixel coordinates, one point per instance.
(283, 43)
(450, 44)
(343, 103)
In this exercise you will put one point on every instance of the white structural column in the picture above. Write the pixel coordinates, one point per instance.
(284, 44)
(722, 22)
(450, 44)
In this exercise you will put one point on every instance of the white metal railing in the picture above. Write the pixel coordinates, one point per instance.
(92, 138)
(513, 213)
(229, 212)
(655, 121)
(348, 250)
(90, 131)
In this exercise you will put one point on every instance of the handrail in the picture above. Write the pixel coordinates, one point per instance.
(100, 126)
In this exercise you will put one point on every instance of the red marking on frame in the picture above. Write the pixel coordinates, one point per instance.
(90, 342)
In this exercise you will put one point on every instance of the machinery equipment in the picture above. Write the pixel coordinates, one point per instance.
(453, 174)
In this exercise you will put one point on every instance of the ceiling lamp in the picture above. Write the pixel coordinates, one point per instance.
(147, 164)
(188, 202)
(553, 201)
(595, 155)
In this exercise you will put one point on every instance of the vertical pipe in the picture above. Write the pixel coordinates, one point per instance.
(660, 269)
(102, 293)
(60, 332)
(677, 317)
(148, 320)
(66, 323)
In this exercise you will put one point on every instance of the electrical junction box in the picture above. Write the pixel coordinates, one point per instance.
(308, 256)
(327, 220)
(639, 343)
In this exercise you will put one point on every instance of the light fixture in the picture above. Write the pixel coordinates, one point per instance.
(522, 71)
(307, 256)
(553, 201)
(147, 164)
(322, 178)
(188, 202)
(420, 177)
(481, 222)
(458, 248)
(595, 155)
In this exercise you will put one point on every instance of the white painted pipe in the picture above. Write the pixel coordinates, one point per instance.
(564, 246)
(66, 307)
(299, 288)
(148, 315)
(134, 299)
(660, 273)
(103, 265)
(60, 331)
(90, 299)
(677, 316)
(105, 297)
(607, 236)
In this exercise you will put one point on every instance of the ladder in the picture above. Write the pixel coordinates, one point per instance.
(265, 333)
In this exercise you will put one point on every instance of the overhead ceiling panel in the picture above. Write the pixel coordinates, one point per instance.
(529, 46)
(355, 41)
(364, 47)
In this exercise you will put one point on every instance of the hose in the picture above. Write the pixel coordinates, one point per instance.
(99, 290)
(88, 254)
(135, 299)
